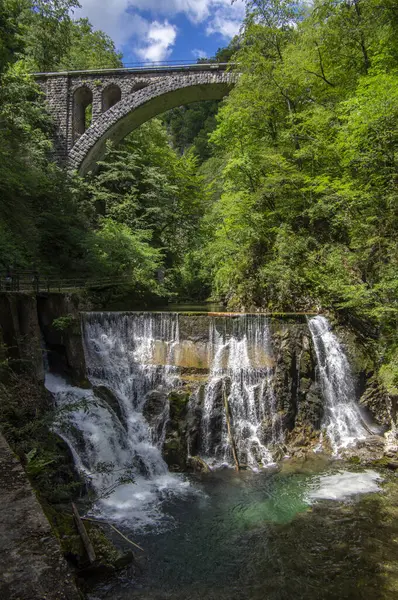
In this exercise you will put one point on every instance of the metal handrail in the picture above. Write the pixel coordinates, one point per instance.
(30, 281)
(143, 67)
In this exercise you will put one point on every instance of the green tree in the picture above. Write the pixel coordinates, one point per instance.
(46, 29)
(145, 185)
(89, 49)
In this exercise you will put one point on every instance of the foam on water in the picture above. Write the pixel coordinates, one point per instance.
(344, 485)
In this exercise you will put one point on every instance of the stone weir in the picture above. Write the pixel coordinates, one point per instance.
(203, 379)
(266, 370)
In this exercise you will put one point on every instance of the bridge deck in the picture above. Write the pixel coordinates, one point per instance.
(141, 70)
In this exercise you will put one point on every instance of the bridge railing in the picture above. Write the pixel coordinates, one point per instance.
(146, 67)
(32, 282)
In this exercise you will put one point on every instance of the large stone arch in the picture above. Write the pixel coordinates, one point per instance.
(137, 108)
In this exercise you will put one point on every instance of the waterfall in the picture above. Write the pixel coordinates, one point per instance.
(113, 444)
(342, 417)
(131, 355)
(116, 430)
(241, 372)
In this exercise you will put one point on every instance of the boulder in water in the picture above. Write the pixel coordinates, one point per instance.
(198, 465)
(107, 396)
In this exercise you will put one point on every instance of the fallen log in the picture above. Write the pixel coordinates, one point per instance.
(230, 433)
(114, 529)
(84, 535)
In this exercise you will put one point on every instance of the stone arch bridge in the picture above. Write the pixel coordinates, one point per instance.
(120, 101)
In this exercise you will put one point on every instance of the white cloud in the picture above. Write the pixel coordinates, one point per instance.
(158, 42)
(121, 20)
(113, 17)
(217, 12)
(199, 53)
(227, 28)
(226, 20)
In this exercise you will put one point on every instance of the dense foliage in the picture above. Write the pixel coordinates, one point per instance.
(285, 199)
(307, 215)
(135, 219)
(189, 126)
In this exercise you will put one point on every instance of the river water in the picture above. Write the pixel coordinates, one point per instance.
(311, 531)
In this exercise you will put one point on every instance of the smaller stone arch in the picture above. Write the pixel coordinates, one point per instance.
(82, 102)
(111, 95)
(139, 85)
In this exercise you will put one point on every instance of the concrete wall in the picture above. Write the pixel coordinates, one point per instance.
(20, 333)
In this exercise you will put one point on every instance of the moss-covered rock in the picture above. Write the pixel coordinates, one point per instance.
(108, 557)
(175, 448)
(198, 465)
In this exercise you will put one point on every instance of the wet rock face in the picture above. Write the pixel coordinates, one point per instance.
(194, 420)
(64, 345)
(20, 333)
(107, 396)
(154, 405)
(154, 412)
(299, 397)
(383, 408)
(175, 448)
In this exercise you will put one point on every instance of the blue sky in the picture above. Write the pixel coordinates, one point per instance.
(157, 30)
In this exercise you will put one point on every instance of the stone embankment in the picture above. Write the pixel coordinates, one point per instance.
(31, 563)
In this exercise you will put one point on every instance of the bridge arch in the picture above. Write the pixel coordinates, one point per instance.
(137, 108)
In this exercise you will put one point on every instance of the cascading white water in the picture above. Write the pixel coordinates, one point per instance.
(342, 417)
(130, 356)
(241, 373)
(119, 350)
